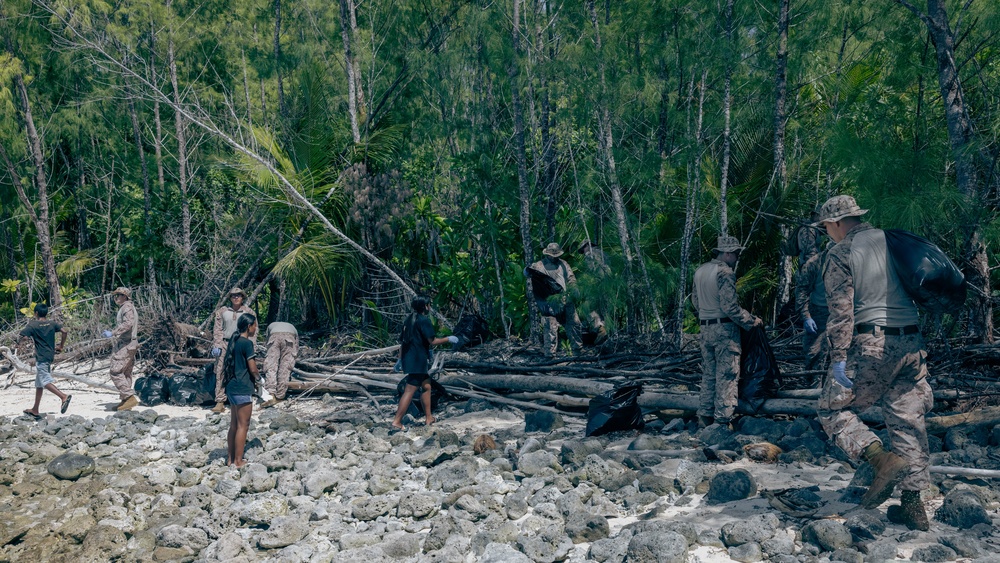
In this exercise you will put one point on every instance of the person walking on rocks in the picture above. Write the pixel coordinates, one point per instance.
(877, 358)
(126, 344)
(240, 380)
(554, 304)
(222, 331)
(282, 350)
(721, 318)
(415, 343)
(810, 297)
(42, 332)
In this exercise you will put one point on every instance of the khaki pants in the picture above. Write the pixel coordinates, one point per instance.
(890, 371)
(815, 345)
(550, 330)
(220, 389)
(720, 371)
(282, 349)
(122, 362)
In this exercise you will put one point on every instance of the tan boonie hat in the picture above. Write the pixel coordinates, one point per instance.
(728, 244)
(553, 249)
(237, 291)
(123, 291)
(838, 207)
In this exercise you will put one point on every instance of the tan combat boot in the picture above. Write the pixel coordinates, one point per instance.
(219, 408)
(910, 512)
(128, 403)
(889, 471)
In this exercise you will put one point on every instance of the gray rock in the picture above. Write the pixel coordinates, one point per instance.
(648, 442)
(418, 505)
(585, 527)
(162, 475)
(657, 547)
(288, 421)
(549, 545)
(321, 481)
(502, 553)
(229, 488)
(847, 556)
(963, 510)
(353, 540)
(516, 505)
(867, 525)
(179, 537)
(452, 475)
(770, 430)
(542, 421)
(71, 466)
(538, 462)
(435, 456)
(189, 477)
(728, 486)
(884, 550)
(747, 553)
(610, 550)
(778, 546)
(199, 496)
(103, 543)
(256, 479)
(401, 545)
(933, 554)
(574, 452)
(756, 528)
(371, 508)
(263, 509)
(283, 531)
(478, 405)
(660, 485)
(827, 534)
(963, 545)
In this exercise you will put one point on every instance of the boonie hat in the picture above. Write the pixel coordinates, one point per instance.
(838, 207)
(237, 291)
(553, 249)
(728, 244)
(123, 291)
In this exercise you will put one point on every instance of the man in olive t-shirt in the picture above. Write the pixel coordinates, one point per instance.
(43, 332)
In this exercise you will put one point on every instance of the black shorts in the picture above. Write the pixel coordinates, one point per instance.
(416, 379)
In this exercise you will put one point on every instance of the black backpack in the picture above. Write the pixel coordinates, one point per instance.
(926, 273)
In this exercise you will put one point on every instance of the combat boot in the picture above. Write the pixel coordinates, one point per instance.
(219, 408)
(910, 512)
(128, 403)
(889, 471)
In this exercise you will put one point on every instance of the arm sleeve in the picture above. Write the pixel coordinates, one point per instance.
(128, 321)
(570, 276)
(249, 350)
(426, 331)
(694, 300)
(803, 286)
(840, 299)
(217, 330)
(727, 300)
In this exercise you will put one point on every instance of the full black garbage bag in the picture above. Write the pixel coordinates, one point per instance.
(192, 388)
(758, 370)
(927, 274)
(416, 409)
(542, 286)
(615, 410)
(152, 389)
(471, 330)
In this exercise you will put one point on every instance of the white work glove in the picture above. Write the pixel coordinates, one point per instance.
(216, 352)
(399, 366)
(107, 334)
(453, 339)
(810, 326)
(839, 370)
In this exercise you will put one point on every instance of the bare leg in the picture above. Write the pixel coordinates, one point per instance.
(425, 399)
(242, 414)
(404, 403)
(51, 387)
(38, 400)
(231, 437)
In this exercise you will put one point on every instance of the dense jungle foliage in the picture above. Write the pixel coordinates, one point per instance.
(451, 138)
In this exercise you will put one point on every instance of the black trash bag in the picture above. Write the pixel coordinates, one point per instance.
(615, 410)
(191, 388)
(152, 389)
(542, 286)
(929, 277)
(416, 409)
(471, 330)
(758, 370)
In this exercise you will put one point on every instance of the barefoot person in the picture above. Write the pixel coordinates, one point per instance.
(240, 377)
(43, 332)
(415, 342)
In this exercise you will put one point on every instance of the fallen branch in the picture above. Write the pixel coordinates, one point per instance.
(966, 471)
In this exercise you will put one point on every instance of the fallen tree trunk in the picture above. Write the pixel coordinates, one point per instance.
(966, 471)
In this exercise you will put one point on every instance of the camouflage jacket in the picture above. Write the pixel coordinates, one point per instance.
(810, 294)
(839, 282)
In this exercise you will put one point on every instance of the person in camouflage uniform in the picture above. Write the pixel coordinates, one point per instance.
(721, 318)
(877, 358)
(282, 351)
(559, 306)
(126, 344)
(810, 297)
(223, 329)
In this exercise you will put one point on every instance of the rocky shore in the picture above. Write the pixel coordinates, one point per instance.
(326, 481)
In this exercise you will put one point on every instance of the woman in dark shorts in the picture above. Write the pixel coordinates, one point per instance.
(415, 343)
(241, 375)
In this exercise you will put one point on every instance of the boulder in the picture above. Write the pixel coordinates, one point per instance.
(283, 531)
(746, 553)
(827, 534)
(585, 527)
(71, 466)
(963, 510)
(542, 421)
(728, 486)
(657, 547)
(756, 529)
(177, 536)
(934, 553)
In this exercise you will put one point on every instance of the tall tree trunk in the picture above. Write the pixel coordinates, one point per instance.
(780, 169)
(524, 193)
(282, 109)
(246, 89)
(352, 100)
(606, 146)
(727, 105)
(158, 133)
(359, 94)
(691, 205)
(41, 219)
(549, 168)
(961, 138)
(182, 157)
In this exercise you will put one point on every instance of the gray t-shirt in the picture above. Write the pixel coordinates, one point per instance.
(43, 333)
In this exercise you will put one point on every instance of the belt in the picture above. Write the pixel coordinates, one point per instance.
(887, 330)
(715, 321)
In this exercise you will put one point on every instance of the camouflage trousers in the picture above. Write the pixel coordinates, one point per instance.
(720, 371)
(815, 347)
(550, 330)
(220, 389)
(282, 349)
(122, 362)
(889, 371)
